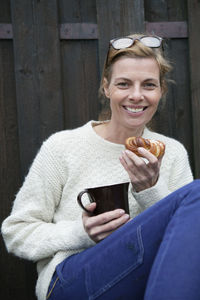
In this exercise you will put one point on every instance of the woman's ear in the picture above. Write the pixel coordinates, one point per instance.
(106, 88)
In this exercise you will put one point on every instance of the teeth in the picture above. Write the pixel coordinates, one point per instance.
(135, 110)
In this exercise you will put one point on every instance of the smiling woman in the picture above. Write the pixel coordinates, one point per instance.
(151, 48)
(82, 255)
(134, 92)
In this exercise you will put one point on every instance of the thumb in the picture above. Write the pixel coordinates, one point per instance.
(91, 207)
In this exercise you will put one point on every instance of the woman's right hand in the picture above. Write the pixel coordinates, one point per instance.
(100, 226)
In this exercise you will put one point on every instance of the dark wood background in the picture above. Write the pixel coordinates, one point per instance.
(51, 56)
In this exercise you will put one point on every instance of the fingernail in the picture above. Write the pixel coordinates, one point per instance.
(126, 216)
(121, 211)
(128, 152)
(141, 150)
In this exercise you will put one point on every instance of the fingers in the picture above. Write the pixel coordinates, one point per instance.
(98, 227)
(105, 217)
(131, 160)
(145, 154)
(91, 207)
(134, 165)
(100, 232)
(143, 171)
(85, 215)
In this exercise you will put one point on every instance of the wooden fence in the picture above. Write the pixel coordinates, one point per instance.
(51, 56)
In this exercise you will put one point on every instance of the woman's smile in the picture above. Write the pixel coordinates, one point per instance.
(134, 110)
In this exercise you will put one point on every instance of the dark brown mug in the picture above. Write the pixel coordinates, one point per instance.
(107, 198)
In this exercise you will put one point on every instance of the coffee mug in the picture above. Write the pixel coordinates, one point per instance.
(107, 198)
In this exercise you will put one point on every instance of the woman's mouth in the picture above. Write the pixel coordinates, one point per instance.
(135, 109)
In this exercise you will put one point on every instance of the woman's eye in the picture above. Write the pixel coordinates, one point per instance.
(122, 84)
(150, 85)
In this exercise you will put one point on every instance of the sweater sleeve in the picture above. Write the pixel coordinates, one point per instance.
(150, 196)
(30, 232)
(180, 174)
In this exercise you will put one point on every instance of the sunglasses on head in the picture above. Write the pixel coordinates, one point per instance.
(126, 42)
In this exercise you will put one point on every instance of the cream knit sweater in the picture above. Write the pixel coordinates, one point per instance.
(45, 224)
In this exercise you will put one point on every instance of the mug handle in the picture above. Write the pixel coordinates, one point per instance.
(79, 197)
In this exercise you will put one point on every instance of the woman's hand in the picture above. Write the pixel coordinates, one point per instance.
(143, 175)
(100, 226)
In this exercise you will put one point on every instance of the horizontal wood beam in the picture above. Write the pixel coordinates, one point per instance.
(6, 31)
(78, 31)
(168, 29)
(87, 31)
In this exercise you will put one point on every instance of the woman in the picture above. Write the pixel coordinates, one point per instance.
(87, 261)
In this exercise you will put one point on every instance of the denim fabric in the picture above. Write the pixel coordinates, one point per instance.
(153, 257)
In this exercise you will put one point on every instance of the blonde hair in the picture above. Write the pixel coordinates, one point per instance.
(137, 50)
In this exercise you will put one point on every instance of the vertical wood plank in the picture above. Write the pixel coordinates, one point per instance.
(80, 82)
(80, 66)
(77, 11)
(172, 10)
(117, 18)
(172, 118)
(194, 42)
(12, 269)
(38, 75)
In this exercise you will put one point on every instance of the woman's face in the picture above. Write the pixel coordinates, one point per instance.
(134, 92)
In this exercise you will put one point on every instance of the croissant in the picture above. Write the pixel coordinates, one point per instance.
(155, 147)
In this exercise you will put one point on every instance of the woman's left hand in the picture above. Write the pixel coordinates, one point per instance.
(143, 175)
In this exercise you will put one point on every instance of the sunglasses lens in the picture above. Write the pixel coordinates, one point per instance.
(122, 43)
(151, 41)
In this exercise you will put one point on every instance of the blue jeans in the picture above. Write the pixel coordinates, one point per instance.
(155, 256)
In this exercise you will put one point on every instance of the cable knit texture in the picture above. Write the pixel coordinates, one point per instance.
(45, 224)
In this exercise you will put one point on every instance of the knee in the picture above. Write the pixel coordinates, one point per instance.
(193, 189)
(195, 184)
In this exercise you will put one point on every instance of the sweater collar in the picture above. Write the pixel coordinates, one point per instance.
(107, 144)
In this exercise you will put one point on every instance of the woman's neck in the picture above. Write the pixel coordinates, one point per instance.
(115, 135)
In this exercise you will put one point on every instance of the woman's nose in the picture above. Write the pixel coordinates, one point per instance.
(135, 94)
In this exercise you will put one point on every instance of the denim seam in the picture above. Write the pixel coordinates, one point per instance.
(126, 272)
(179, 197)
(50, 292)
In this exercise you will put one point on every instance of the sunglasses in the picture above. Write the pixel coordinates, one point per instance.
(127, 42)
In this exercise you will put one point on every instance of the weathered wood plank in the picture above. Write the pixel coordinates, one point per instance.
(6, 31)
(13, 270)
(165, 10)
(80, 65)
(77, 11)
(89, 31)
(9, 150)
(176, 113)
(177, 10)
(168, 29)
(117, 18)
(38, 75)
(5, 16)
(9, 167)
(194, 42)
(80, 83)
(174, 118)
(79, 31)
